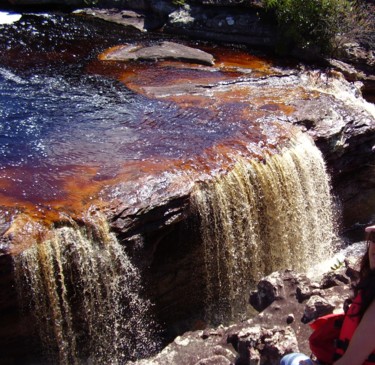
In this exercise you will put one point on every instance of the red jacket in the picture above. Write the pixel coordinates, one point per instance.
(350, 324)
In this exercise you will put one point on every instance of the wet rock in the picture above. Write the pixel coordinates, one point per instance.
(305, 291)
(265, 295)
(358, 65)
(181, 16)
(228, 22)
(215, 360)
(355, 53)
(151, 231)
(126, 18)
(352, 268)
(245, 345)
(278, 313)
(162, 51)
(15, 331)
(298, 301)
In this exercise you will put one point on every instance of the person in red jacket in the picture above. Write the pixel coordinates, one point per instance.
(356, 343)
(359, 325)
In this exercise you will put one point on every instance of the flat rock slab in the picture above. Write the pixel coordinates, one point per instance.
(127, 18)
(161, 51)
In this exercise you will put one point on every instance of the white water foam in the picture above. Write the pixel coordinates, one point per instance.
(9, 18)
(10, 76)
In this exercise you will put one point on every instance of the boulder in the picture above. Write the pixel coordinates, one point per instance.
(357, 64)
(333, 279)
(259, 345)
(161, 51)
(127, 18)
(276, 287)
(316, 307)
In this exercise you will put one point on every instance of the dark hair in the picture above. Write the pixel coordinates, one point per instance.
(366, 282)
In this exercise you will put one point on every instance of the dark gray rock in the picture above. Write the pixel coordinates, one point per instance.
(225, 23)
(276, 287)
(333, 279)
(316, 307)
(357, 64)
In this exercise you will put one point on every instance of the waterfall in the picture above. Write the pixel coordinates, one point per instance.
(260, 217)
(84, 295)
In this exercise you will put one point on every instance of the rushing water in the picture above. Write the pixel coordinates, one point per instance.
(262, 217)
(87, 291)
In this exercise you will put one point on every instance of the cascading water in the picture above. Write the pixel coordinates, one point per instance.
(84, 294)
(261, 217)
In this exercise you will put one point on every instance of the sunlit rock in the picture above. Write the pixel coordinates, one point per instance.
(162, 51)
(264, 345)
(316, 307)
(126, 18)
